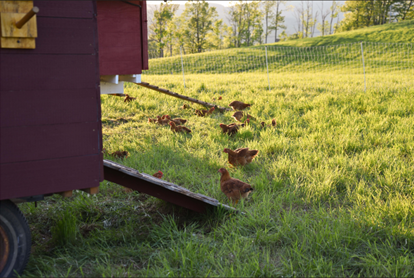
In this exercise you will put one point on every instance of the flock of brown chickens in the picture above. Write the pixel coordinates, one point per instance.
(233, 188)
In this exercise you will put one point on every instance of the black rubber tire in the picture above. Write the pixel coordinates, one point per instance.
(15, 226)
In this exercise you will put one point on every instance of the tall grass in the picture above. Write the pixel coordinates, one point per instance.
(66, 230)
(333, 184)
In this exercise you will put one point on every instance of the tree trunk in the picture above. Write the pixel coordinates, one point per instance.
(267, 15)
(277, 20)
(408, 9)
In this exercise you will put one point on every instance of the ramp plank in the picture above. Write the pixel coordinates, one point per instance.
(159, 188)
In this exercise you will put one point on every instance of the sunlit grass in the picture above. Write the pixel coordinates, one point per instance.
(333, 183)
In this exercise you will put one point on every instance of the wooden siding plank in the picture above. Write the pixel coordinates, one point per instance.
(74, 9)
(144, 35)
(45, 107)
(49, 176)
(119, 21)
(119, 40)
(47, 72)
(119, 54)
(47, 142)
(63, 36)
(120, 67)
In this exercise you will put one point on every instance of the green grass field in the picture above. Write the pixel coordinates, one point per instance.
(333, 184)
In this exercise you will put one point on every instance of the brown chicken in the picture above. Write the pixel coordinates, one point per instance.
(230, 129)
(177, 121)
(162, 120)
(204, 113)
(119, 154)
(179, 128)
(233, 188)
(152, 120)
(158, 175)
(274, 123)
(220, 98)
(238, 116)
(241, 156)
(238, 105)
(128, 98)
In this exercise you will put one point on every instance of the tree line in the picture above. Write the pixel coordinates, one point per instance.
(359, 14)
(198, 28)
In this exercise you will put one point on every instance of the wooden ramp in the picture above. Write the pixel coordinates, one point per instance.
(159, 188)
(170, 93)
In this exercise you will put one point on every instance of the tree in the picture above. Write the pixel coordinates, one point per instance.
(219, 37)
(178, 35)
(311, 19)
(335, 9)
(299, 15)
(254, 19)
(158, 28)
(403, 9)
(306, 19)
(268, 11)
(284, 36)
(324, 26)
(199, 17)
(360, 14)
(246, 20)
(236, 19)
(278, 19)
(171, 31)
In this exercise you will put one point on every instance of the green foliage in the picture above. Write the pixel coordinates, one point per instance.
(161, 30)
(219, 38)
(66, 230)
(277, 19)
(246, 19)
(199, 18)
(359, 14)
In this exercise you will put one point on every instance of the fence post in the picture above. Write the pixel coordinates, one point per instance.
(267, 66)
(363, 65)
(182, 64)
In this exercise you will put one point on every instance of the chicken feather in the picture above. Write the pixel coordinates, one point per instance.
(240, 156)
(233, 188)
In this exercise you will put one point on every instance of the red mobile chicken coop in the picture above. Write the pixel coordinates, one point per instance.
(56, 58)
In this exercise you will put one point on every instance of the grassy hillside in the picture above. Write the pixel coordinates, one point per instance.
(399, 32)
(386, 49)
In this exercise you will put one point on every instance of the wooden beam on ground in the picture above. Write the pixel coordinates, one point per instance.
(167, 92)
(66, 194)
(92, 190)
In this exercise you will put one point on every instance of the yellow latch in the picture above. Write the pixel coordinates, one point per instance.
(18, 24)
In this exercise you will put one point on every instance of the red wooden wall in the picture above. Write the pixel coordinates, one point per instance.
(123, 45)
(51, 136)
